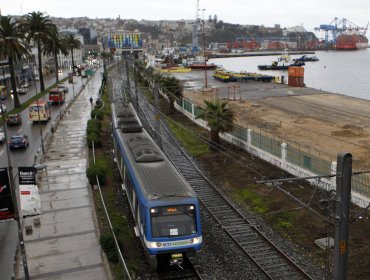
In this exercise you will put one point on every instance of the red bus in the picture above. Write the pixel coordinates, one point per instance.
(56, 95)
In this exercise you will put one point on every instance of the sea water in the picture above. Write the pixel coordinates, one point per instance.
(343, 72)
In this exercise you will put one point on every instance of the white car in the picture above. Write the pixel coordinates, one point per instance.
(2, 136)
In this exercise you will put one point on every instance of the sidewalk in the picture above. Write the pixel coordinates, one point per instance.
(65, 244)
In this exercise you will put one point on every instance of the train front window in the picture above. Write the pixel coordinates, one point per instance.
(173, 220)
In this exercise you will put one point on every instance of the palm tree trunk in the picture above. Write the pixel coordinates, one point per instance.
(171, 108)
(56, 67)
(215, 139)
(42, 86)
(73, 62)
(17, 104)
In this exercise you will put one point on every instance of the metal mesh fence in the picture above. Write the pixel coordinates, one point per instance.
(307, 161)
(361, 184)
(187, 106)
(267, 144)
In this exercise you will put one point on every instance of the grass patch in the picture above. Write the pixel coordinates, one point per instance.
(284, 223)
(256, 203)
(192, 144)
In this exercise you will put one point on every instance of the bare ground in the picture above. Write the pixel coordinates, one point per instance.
(323, 124)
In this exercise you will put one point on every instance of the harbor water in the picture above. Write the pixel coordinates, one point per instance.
(343, 72)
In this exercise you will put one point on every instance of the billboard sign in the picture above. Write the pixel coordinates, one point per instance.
(27, 175)
(6, 202)
(125, 41)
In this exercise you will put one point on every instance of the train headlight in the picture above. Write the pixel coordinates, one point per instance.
(196, 240)
(153, 245)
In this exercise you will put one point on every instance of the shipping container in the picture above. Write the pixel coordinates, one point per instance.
(294, 71)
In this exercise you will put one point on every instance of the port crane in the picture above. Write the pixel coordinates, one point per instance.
(337, 27)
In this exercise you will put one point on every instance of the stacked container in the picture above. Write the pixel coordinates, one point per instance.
(295, 76)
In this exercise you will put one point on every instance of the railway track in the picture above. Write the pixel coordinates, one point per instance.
(244, 231)
(186, 272)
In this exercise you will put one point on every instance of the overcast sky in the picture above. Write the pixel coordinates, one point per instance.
(287, 13)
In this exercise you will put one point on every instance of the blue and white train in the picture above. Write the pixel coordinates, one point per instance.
(164, 206)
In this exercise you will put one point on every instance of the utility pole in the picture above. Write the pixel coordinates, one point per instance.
(343, 203)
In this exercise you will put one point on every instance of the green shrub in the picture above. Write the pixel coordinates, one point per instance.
(96, 113)
(93, 130)
(93, 137)
(94, 123)
(96, 170)
(109, 247)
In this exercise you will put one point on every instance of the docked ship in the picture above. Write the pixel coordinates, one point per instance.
(283, 63)
(199, 63)
(351, 42)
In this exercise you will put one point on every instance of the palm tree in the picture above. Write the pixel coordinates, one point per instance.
(72, 43)
(38, 27)
(173, 89)
(13, 48)
(219, 117)
(54, 45)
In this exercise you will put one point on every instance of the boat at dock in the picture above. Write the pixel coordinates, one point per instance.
(351, 42)
(283, 63)
(228, 76)
(199, 63)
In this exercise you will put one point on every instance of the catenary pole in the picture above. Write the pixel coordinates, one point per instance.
(343, 203)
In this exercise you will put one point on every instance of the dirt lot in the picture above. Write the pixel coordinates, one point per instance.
(319, 122)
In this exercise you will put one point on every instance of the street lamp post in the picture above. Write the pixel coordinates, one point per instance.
(14, 198)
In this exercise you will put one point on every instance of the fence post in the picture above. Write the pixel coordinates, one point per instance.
(249, 137)
(283, 151)
(192, 111)
(333, 171)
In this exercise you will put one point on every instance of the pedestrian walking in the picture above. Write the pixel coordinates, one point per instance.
(91, 100)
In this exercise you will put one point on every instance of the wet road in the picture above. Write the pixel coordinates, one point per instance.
(8, 229)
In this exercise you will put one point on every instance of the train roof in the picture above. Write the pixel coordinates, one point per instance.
(156, 175)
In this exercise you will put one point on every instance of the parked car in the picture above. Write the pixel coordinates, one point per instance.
(24, 84)
(2, 108)
(18, 141)
(2, 136)
(62, 86)
(20, 90)
(14, 119)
